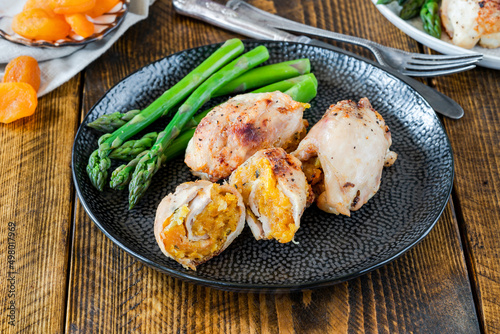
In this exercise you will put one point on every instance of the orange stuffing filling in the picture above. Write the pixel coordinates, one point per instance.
(271, 202)
(218, 219)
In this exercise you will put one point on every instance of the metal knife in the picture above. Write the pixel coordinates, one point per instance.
(229, 19)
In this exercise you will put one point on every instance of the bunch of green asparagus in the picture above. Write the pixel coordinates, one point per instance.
(220, 74)
(428, 10)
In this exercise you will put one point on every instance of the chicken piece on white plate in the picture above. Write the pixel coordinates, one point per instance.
(198, 221)
(275, 192)
(468, 22)
(343, 156)
(233, 131)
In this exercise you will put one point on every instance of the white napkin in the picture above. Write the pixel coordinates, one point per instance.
(58, 65)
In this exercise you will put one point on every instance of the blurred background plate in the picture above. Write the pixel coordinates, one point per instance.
(414, 29)
(103, 26)
(331, 248)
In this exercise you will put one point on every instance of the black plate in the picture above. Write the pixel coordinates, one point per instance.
(331, 248)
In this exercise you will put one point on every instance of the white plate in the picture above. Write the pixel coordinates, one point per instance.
(414, 29)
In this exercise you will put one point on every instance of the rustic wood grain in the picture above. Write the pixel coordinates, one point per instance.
(37, 196)
(476, 144)
(426, 290)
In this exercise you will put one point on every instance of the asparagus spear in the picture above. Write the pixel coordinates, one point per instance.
(299, 90)
(130, 149)
(430, 17)
(121, 176)
(265, 75)
(99, 162)
(111, 122)
(303, 91)
(256, 77)
(411, 9)
(384, 2)
(152, 161)
(284, 85)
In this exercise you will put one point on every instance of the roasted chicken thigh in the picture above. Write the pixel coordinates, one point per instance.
(343, 155)
(468, 22)
(233, 131)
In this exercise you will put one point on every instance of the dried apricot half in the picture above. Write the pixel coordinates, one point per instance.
(72, 6)
(38, 24)
(80, 25)
(17, 100)
(41, 4)
(101, 7)
(23, 69)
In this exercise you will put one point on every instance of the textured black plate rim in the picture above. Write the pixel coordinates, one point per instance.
(85, 41)
(265, 288)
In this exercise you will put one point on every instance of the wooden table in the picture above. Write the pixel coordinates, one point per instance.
(70, 278)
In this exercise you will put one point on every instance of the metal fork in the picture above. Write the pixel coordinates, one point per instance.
(226, 18)
(412, 64)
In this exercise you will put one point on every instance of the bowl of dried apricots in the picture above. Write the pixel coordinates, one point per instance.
(52, 23)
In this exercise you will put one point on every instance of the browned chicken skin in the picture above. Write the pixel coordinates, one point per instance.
(469, 22)
(233, 131)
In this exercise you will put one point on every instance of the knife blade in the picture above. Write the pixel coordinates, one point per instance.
(229, 19)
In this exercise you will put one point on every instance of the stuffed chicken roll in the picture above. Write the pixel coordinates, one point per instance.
(233, 131)
(275, 191)
(198, 221)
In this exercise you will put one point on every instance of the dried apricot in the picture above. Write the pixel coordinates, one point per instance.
(41, 4)
(101, 7)
(72, 6)
(80, 25)
(17, 100)
(38, 24)
(23, 69)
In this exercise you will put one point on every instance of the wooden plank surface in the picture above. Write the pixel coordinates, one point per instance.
(422, 292)
(36, 205)
(426, 290)
(476, 143)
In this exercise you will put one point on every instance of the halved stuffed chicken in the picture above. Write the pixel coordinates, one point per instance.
(275, 191)
(198, 221)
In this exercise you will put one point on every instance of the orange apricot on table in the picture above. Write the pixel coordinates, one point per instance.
(101, 7)
(80, 25)
(72, 6)
(23, 69)
(38, 24)
(17, 100)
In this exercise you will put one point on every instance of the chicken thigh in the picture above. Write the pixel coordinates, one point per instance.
(233, 131)
(468, 22)
(343, 156)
